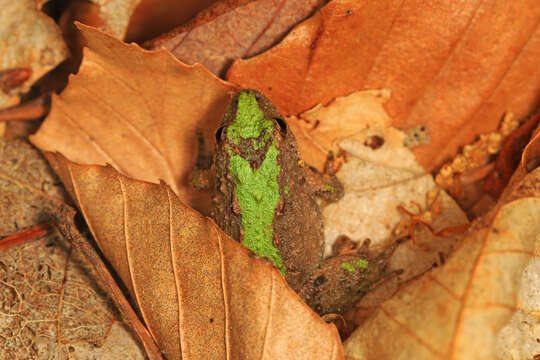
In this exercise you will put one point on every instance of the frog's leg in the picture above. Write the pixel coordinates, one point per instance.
(325, 186)
(343, 280)
(202, 177)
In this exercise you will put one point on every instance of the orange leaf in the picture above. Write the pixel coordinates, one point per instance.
(201, 294)
(454, 68)
(137, 110)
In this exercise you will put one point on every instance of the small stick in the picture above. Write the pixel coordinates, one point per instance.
(30, 110)
(66, 226)
(32, 233)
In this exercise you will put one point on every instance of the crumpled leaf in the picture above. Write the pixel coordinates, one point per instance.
(476, 305)
(51, 305)
(30, 46)
(239, 33)
(200, 293)
(146, 109)
(447, 65)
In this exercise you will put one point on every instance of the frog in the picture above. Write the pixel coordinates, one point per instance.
(269, 200)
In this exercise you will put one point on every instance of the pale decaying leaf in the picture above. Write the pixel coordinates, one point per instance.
(116, 15)
(30, 45)
(380, 174)
(320, 129)
(137, 110)
(51, 304)
(201, 294)
(484, 303)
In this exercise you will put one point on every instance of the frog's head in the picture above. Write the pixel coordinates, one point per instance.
(251, 122)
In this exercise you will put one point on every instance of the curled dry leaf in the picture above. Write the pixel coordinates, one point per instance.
(137, 110)
(51, 305)
(453, 68)
(201, 294)
(476, 305)
(239, 33)
(30, 45)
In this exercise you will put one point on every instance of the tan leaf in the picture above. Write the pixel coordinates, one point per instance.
(452, 67)
(475, 306)
(30, 45)
(144, 113)
(217, 37)
(201, 294)
(51, 305)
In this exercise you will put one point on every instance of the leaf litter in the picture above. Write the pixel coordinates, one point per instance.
(51, 304)
(500, 92)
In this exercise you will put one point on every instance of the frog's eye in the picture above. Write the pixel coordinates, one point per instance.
(282, 125)
(219, 132)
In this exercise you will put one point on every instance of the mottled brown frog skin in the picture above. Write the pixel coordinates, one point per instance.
(253, 136)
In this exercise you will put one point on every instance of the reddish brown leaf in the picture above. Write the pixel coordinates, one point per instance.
(215, 38)
(447, 64)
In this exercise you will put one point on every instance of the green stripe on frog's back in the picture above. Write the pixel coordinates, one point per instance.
(257, 190)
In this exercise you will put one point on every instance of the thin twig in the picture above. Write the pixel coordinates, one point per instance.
(66, 226)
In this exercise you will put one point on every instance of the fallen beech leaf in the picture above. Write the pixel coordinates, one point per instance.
(30, 45)
(239, 33)
(200, 293)
(447, 65)
(146, 109)
(474, 306)
(51, 306)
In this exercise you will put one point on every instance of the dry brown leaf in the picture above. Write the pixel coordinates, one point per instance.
(239, 33)
(30, 46)
(452, 67)
(51, 305)
(474, 307)
(138, 111)
(201, 294)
